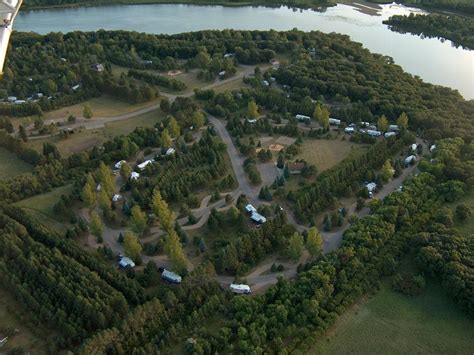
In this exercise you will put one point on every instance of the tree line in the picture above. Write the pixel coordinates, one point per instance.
(458, 29)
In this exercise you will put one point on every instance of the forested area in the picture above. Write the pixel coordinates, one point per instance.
(59, 291)
(193, 168)
(329, 67)
(292, 313)
(458, 29)
(80, 296)
(344, 178)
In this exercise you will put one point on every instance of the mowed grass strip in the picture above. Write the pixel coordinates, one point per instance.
(11, 166)
(326, 153)
(391, 323)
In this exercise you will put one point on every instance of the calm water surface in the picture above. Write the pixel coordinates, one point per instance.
(431, 59)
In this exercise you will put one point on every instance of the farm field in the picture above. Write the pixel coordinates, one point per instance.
(430, 323)
(325, 153)
(86, 139)
(11, 166)
(22, 334)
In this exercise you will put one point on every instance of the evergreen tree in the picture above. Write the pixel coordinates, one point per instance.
(125, 171)
(131, 246)
(105, 203)
(88, 194)
(387, 171)
(175, 252)
(87, 111)
(173, 127)
(198, 119)
(161, 210)
(165, 139)
(96, 226)
(280, 161)
(252, 110)
(314, 242)
(382, 124)
(138, 220)
(402, 121)
(106, 179)
(295, 246)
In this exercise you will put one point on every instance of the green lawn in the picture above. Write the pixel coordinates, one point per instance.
(390, 323)
(44, 203)
(11, 166)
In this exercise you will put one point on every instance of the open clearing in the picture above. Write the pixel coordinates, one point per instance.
(44, 203)
(85, 139)
(11, 166)
(324, 153)
(13, 317)
(103, 106)
(430, 324)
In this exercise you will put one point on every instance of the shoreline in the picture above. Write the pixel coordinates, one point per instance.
(224, 3)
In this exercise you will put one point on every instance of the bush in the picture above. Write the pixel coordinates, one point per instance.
(408, 284)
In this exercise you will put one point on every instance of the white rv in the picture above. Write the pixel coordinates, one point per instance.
(240, 288)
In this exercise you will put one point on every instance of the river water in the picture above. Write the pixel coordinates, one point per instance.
(435, 61)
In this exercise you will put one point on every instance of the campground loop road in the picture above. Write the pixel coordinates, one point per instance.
(260, 278)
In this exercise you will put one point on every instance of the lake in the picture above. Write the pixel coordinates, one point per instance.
(435, 61)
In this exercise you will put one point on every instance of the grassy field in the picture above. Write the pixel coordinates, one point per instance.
(11, 166)
(103, 106)
(86, 139)
(44, 203)
(27, 336)
(390, 323)
(324, 154)
(231, 85)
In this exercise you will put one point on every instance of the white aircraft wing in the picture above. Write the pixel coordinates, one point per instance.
(8, 11)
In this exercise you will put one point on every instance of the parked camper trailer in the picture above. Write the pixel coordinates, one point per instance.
(373, 133)
(334, 122)
(258, 218)
(143, 165)
(410, 160)
(390, 134)
(303, 118)
(349, 130)
(393, 128)
(171, 277)
(240, 288)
